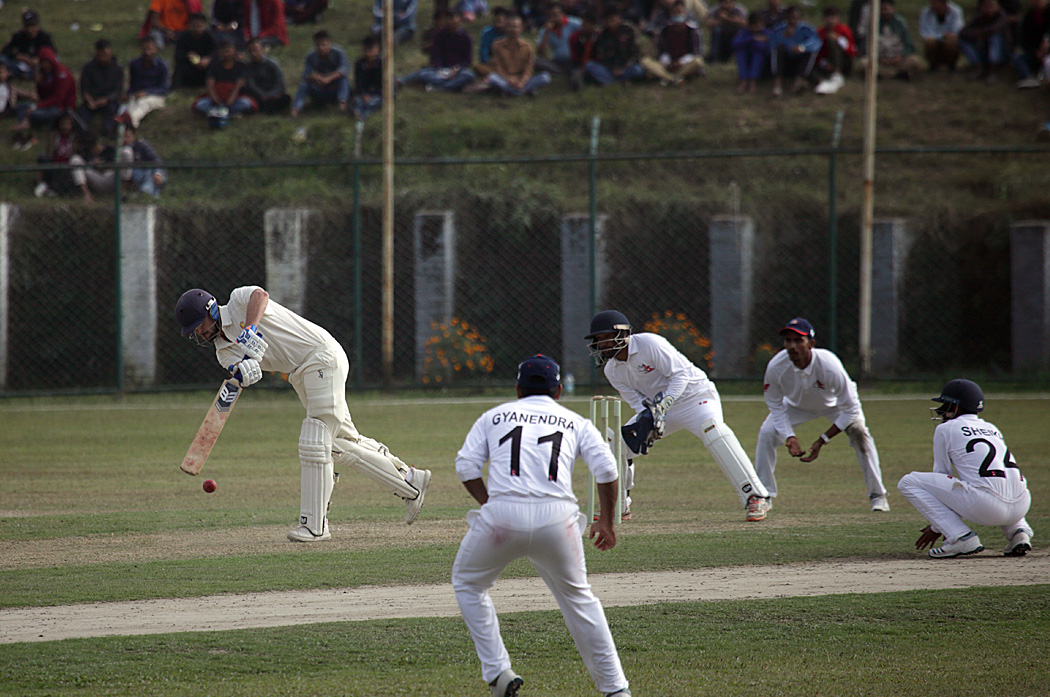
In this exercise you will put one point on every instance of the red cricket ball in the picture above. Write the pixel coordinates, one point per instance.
(210, 485)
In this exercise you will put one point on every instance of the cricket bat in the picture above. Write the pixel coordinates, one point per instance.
(209, 431)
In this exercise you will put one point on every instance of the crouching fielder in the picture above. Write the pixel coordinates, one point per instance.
(528, 510)
(668, 393)
(986, 487)
(253, 334)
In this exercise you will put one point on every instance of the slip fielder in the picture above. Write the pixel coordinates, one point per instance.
(252, 334)
(986, 486)
(668, 393)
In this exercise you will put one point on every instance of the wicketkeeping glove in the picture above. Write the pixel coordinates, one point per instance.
(247, 372)
(252, 343)
(640, 434)
(657, 409)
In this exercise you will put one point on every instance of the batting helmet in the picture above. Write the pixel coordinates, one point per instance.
(192, 308)
(966, 395)
(539, 375)
(606, 322)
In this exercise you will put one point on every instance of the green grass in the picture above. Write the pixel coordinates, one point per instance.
(920, 643)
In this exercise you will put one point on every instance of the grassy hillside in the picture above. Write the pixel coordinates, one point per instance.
(936, 110)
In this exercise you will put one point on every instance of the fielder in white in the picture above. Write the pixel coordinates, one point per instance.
(668, 393)
(803, 383)
(528, 510)
(986, 486)
(252, 334)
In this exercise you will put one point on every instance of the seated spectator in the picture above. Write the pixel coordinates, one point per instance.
(101, 87)
(149, 180)
(368, 80)
(581, 43)
(450, 58)
(438, 22)
(773, 14)
(96, 154)
(56, 92)
(553, 53)
(264, 81)
(404, 19)
(513, 64)
(793, 51)
(659, 18)
(751, 48)
(62, 149)
(147, 83)
(1033, 44)
(10, 93)
(169, 19)
(470, 10)
(837, 50)
(678, 51)
(985, 40)
(193, 54)
(615, 53)
(496, 30)
(724, 22)
(896, 50)
(303, 11)
(227, 21)
(531, 13)
(264, 20)
(325, 76)
(21, 53)
(939, 26)
(226, 78)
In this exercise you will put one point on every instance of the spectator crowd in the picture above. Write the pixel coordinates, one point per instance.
(521, 48)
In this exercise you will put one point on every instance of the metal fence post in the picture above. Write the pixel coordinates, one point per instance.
(119, 304)
(833, 238)
(358, 323)
(592, 164)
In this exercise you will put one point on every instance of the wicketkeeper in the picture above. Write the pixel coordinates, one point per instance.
(253, 334)
(668, 393)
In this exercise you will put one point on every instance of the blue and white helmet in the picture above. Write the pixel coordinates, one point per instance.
(191, 309)
(608, 322)
(965, 395)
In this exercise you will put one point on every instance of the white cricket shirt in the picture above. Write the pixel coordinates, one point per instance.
(291, 339)
(823, 385)
(653, 366)
(977, 450)
(531, 445)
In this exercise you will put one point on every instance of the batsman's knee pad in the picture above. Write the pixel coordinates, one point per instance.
(375, 461)
(724, 447)
(317, 474)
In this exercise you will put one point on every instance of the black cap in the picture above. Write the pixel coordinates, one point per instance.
(29, 18)
(539, 372)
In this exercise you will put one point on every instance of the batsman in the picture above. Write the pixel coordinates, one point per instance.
(668, 393)
(252, 334)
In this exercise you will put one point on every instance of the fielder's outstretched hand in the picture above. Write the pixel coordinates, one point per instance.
(603, 533)
(927, 538)
(814, 451)
(794, 449)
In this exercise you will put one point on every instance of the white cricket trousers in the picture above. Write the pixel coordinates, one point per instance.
(689, 415)
(859, 439)
(548, 533)
(944, 501)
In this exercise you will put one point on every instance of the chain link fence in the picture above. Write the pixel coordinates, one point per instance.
(493, 262)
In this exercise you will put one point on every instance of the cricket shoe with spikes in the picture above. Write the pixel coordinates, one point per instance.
(1020, 544)
(757, 509)
(507, 684)
(420, 482)
(967, 544)
(305, 534)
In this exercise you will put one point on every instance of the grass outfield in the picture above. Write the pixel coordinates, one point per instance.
(93, 507)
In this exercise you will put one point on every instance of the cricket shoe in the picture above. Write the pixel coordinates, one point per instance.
(967, 544)
(757, 509)
(305, 534)
(420, 482)
(879, 503)
(507, 684)
(1019, 545)
(625, 692)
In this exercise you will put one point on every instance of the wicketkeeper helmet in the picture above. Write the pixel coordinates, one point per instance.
(606, 322)
(965, 394)
(192, 308)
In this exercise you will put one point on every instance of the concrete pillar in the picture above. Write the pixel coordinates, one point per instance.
(576, 289)
(138, 293)
(434, 262)
(287, 236)
(1030, 294)
(732, 243)
(7, 216)
(891, 242)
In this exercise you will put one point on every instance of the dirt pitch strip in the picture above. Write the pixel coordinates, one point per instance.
(289, 608)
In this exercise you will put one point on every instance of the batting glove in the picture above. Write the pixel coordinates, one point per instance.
(252, 343)
(247, 372)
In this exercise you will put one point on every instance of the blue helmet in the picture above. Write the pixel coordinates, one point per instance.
(608, 322)
(190, 311)
(539, 374)
(965, 395)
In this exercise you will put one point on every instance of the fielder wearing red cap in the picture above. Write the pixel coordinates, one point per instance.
(803, 383)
